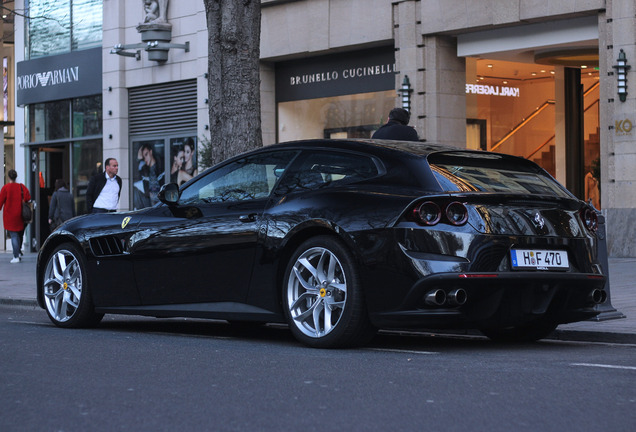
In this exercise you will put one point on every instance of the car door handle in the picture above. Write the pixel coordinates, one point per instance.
(248, 218)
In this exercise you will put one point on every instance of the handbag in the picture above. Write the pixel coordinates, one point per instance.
(27, 210)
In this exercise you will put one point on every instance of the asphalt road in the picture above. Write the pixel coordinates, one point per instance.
(143, 374)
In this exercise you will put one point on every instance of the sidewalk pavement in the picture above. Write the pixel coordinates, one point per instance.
(17, 287)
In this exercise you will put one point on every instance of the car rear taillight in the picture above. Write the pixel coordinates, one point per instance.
(457, 213)
(589, 218)
(429, 213)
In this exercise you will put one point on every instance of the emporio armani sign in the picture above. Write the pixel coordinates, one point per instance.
(64, 76)
(52, 77)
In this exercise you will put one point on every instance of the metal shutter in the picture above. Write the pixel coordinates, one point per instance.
(163, 107)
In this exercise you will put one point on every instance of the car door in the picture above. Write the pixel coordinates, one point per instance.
(202, 250)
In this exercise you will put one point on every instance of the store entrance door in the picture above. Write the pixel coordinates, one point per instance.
(48, 163)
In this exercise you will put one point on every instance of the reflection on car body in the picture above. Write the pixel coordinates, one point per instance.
(339, 238)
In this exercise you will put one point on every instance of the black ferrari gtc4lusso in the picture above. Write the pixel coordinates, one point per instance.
(339, 238)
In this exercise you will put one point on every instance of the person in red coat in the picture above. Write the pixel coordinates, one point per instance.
(11, 196)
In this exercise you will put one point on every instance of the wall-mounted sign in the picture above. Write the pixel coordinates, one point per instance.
(365, 71)
(64, 76)
(623, 127)
(483, 89)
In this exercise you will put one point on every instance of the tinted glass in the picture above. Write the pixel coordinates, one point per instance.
(324, 168)
(492, 173)
(87, 24)
(49, 121)
(249, 178)
(87, 116)
(49, 27)
(59, 26)
(86, 163)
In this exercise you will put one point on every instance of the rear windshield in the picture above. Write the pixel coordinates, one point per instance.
(474, 172)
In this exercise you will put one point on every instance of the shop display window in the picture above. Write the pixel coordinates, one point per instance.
(348, 116)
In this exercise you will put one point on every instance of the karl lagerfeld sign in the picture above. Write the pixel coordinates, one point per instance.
(58, 77)
(365, 71)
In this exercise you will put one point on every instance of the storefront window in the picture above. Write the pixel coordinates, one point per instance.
(87, 116)
(63, 25)
(592, 138)
(49, 121)
(52, 120)
(161, 160)
(149, 171)
(183, 159)
(86, 163)
(348, 116)
(513, 108)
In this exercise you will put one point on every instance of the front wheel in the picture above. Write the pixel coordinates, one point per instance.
(65, 289)
(322, 297)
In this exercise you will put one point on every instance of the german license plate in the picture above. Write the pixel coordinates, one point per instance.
(539, 259)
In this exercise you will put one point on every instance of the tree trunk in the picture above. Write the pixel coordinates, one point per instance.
(234, 30)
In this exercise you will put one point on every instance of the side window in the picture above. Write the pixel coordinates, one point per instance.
(324, 168)
(248, 178)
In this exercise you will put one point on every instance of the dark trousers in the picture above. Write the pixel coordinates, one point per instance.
(101, 210)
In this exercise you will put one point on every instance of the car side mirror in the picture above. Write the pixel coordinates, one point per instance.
(169, 194)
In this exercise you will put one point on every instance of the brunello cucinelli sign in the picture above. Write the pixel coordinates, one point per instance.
(63, 76)
(364, 71)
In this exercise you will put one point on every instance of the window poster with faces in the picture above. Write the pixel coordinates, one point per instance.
(183, 156)
(148, 172)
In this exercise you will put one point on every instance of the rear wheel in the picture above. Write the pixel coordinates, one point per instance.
(322, 297)
(525, 333)
(65, 289)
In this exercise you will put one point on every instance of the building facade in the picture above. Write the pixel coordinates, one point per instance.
(535, 78)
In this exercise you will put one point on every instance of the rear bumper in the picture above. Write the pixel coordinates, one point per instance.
(495, 300)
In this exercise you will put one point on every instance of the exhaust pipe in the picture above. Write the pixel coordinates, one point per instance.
(435, 298)
(597, 296)
(457, 297)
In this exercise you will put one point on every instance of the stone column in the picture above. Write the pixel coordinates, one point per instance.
(618, 128)
(409, 59)
(115, 95)
(444, 92)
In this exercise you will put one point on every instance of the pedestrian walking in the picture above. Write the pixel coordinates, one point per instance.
(396, 127)
(104, 189)
(62, 207)
(12, 195)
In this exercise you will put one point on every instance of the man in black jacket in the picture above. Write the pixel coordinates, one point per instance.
(396, 128)
(104, 189)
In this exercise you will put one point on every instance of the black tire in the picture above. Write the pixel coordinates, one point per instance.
(66, 289)
(526, 333)
(322, 297)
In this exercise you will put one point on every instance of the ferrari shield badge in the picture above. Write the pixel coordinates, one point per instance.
(125, 222)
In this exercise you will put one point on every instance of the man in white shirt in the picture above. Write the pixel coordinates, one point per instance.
(104, 189)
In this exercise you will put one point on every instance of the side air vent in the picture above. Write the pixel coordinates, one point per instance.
(107, 246)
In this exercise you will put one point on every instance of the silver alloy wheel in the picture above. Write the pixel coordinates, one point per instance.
(316, 292)
(62, 285)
